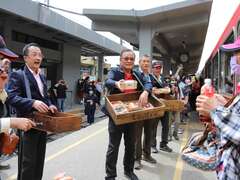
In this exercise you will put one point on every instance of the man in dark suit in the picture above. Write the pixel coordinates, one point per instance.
(27, 95)
(116, 76)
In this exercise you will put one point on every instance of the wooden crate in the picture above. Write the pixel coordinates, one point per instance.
(130, 117)
(171, 103)
(58, 122)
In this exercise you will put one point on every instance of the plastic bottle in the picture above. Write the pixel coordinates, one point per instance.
(238, 88)
(207, 90)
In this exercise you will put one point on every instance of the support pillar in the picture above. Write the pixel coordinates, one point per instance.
(166, 66)
(145, 40)
(100, 67)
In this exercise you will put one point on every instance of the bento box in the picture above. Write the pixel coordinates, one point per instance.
(171, 103)
(123, 108)
(57, 123)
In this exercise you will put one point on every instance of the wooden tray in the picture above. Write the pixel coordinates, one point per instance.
(57, 123)
(130, 117)
(171, 103)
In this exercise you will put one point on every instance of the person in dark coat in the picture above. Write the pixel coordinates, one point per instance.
(160, 87)
(52, 95)
(113, 83)
(90, 102)
(28, 93)
(61, 88)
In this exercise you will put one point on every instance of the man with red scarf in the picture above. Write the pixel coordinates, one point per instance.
(115, 77)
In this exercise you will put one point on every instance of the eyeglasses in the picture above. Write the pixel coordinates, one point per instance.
(128, 58)
(158, 67)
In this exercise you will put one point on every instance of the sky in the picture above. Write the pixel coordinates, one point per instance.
(78, 6)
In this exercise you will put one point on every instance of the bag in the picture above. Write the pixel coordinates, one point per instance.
(8, 143)
(201, 151)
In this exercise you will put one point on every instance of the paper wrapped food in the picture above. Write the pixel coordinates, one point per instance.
(123, 108)
(128, 106)
(128, 85)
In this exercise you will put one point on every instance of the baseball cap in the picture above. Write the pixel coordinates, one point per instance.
(156, 63)
(232, 46)
(5, 51)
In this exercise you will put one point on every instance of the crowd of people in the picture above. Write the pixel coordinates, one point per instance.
(184, 88)
(27, 92)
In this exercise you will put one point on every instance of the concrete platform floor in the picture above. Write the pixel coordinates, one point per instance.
(81, 154)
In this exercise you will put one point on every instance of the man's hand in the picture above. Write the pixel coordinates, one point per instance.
(220, 99)
(143, 99)
(185, 101)
(53, 109)
(118, 85)
(21, 123)
(206, 104)
(40, 106)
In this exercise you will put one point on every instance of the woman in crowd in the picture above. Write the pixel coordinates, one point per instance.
(227, 120)
(7, 122)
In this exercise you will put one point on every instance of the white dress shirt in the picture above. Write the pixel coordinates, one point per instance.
(38, 79)
(4, 124)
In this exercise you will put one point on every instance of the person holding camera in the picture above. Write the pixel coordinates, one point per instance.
(61, 88)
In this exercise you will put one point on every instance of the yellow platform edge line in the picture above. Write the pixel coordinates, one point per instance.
(67, 148)
(179, 163)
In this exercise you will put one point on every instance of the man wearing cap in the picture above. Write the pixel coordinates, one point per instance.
(116, 76)
(143, 74)
(28, 93)
(160, 87)
(6, 122)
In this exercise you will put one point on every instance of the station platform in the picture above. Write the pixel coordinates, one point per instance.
(81, 154)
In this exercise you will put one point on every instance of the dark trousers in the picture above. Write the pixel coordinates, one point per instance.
(90, 115)
(115, 135)
(165, 129)
(147, 141)
(31, 155)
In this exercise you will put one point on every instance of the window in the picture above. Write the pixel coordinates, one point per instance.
(230, 38)
(215, 71)
(25, 38)
(238, 29)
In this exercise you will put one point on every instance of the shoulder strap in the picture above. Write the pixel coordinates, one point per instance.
(230, 101)
(136, 76)
(27, 86)
(159, 83)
